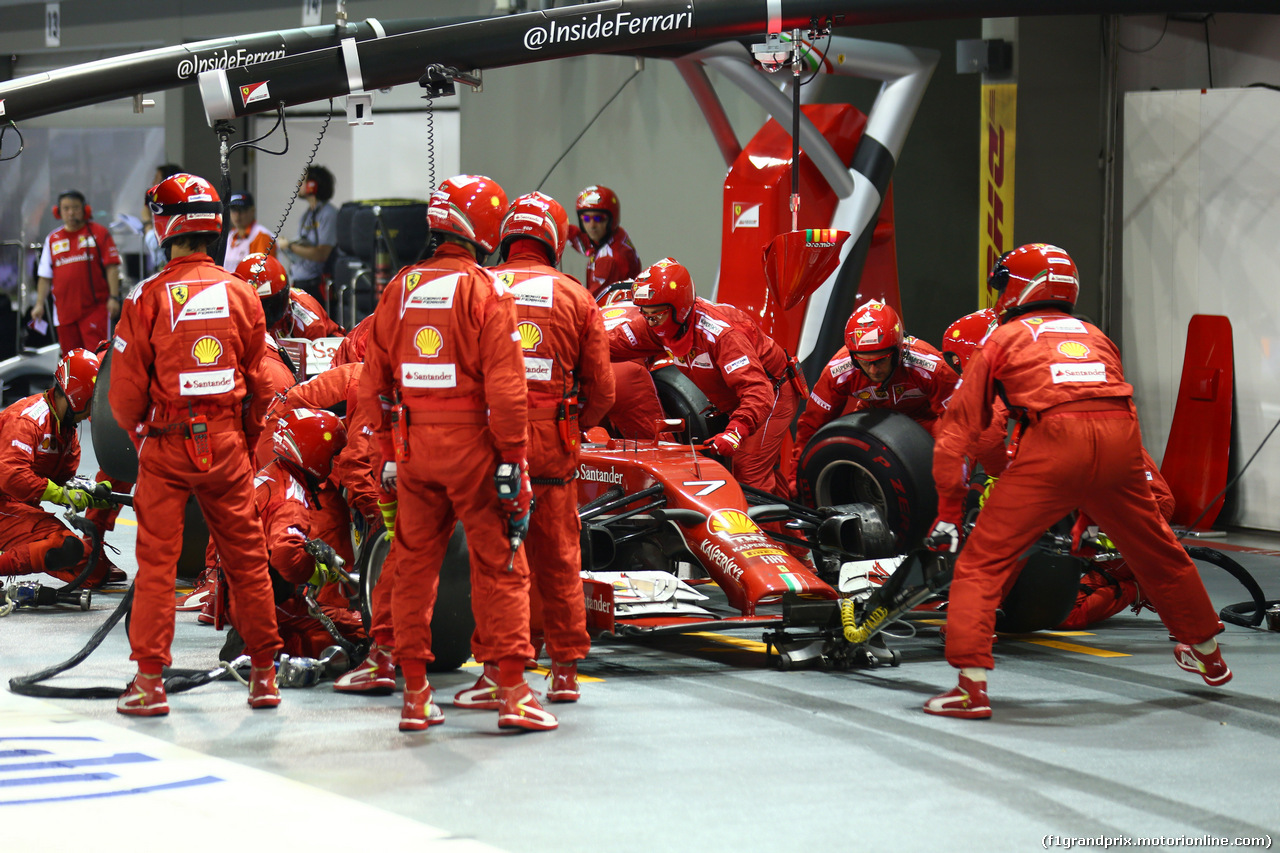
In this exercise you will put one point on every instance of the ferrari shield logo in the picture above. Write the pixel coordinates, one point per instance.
(412, 280)
(179, 293)
(506, 279)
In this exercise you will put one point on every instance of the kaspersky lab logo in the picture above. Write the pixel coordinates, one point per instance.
(428, 341)
(732, 522)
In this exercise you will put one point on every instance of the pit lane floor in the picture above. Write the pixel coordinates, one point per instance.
(684, 743)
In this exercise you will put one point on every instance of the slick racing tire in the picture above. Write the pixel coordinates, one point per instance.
(451, 622)
(879, 457)
(680, 398)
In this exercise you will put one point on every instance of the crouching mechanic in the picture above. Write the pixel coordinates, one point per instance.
(290, 492)
(290, 313)
(1079, 447)
(445, 368)
(40, 452)
(740, 368)
(187, 384)
(566, 365)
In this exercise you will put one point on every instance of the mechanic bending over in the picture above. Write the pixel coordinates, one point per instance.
(444, 363)
(570, 380)
(290, 313)
(291, 493)
(40, 452)
(188, 386)
(740, 368)
(1077, 446)
(1106, 588)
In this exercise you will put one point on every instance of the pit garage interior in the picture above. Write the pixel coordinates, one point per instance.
(1146, 145)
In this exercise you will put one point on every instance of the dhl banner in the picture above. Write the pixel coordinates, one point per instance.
(995, 224)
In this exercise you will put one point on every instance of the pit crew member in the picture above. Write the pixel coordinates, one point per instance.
(1078, 447)
(566, 361)
(599, 236)
(740, 368)
(290, 313)
(40, 451)
(187, 384)
(82, 266)
(445, 368)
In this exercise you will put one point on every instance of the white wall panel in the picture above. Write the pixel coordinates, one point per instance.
(1202, 235)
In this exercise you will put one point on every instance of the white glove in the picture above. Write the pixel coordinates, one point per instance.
(943, 536)
(389, 476)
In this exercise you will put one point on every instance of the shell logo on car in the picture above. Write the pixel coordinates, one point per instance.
(732, 523)
(207, 350)
(1073, 349)
(530, 335)
(428, 341)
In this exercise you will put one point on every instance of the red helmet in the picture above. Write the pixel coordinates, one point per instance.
(184, 204)
(470, 207)
(538, 217)
(668, 283)
(75, 376)
(873, 328)
(1036, 275)
(965, 335)
(597, 197)
(309, 439)
(269, 279)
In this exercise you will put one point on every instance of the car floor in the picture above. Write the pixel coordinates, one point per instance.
(680, 743)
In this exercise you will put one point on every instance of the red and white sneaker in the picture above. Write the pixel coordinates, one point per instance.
(968, 701)
(376, 676)
(564, 682)
(144, 697)
(521, 710)
(195, 599)
(483, 695)
(418, 712)
(263, 692)
(1211, 667)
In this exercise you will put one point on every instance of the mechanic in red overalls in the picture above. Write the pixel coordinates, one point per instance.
(39, 452)
(291, 493)
(741, 369)
(187, 384)
(290, 313)
(353, 345)
(81, 264)
(599, 236)
(1106, 588)
(1079, 447)
(566, 366)
(444, 365)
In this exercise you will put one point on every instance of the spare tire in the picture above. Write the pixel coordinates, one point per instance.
(405, 221)
(680, 398)
(880, 457)
(452, 622)
(1043, 595)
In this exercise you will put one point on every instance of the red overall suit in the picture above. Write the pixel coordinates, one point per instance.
(919, 387)
(291, 514)
(444, 344)
(613, 260)
(36, 449)
(353, 345)
(743, 372)
(1082, 450)
(192, 342)
(636, 407)
(564, 347)
(304, 317)
(76, 267)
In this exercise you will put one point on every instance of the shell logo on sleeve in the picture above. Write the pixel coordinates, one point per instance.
(207, 350)
(530, 335)
(428, 341)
